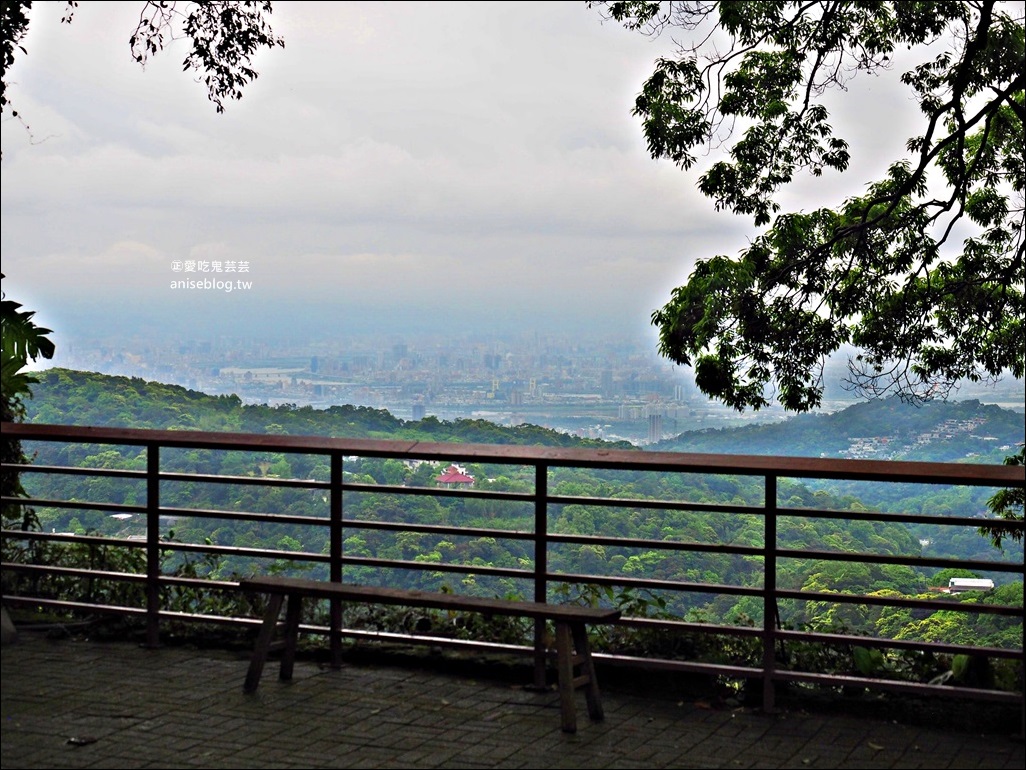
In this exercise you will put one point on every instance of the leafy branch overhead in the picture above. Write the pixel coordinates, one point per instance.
(923, 273)
(224, 36)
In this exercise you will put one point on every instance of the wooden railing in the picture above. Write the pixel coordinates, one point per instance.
(543, 461)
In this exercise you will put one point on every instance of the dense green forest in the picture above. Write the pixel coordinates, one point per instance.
(68, 397)
(964, 431)
(942, 431)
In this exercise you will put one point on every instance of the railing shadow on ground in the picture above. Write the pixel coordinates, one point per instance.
(149, 590)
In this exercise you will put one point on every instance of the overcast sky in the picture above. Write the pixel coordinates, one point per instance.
(428, 164)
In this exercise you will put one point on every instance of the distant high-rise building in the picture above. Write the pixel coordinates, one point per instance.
(655, 428)
(418, 412)
(607, 383)
(315, 364)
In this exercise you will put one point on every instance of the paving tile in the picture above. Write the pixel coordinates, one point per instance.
(179, 707)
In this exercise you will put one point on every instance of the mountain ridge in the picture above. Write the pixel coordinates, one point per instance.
(881, 429)
(962, 431)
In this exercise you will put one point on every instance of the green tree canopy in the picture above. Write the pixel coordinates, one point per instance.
(923, 273)
(22, 341)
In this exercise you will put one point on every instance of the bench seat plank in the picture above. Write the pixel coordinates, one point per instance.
(571, 636)
(318, 589)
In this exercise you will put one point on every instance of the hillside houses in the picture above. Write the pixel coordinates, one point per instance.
(886, 447)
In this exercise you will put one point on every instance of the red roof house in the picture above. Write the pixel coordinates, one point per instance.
(454, 476)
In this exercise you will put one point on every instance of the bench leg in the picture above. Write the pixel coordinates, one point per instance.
(591, 688)
(293, 613)
(541, 655)
(263, 642)
(573, 650)
(565, 664)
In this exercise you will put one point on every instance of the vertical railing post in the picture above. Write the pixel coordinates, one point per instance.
(541, 564)
(769, 599)
(335, 567)
(1022, 660)
(152, 545)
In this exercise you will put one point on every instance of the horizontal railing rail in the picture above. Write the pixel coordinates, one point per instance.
(543, 543)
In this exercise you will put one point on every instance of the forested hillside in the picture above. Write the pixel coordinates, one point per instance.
(890, 429)
(67, 397)
(885, 429)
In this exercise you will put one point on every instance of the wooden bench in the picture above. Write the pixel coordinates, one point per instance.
(572, 649)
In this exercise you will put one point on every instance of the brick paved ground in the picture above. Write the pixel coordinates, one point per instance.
(71, 704)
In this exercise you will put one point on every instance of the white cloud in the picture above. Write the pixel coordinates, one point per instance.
(471, 154)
